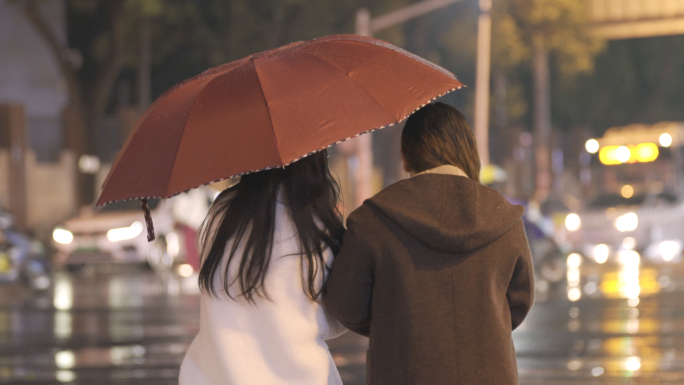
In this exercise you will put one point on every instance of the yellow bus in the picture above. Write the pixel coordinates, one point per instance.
(635, 199)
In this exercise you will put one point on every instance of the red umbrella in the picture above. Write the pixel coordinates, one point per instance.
(269, 110)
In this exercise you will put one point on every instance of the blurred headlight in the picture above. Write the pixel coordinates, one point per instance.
(669, 249)
(62, 236)
(629, 258)
(601, 253)
(573, 222)
(172, 244)
(627, 222)
(185, 270)
(124, 233)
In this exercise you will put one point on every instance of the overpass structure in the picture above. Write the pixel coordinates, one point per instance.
(628, 19)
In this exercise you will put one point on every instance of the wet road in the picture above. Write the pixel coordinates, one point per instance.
(617, 323)
(121, 325)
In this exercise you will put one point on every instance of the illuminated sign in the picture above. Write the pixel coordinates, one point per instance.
(642, 153)
(608, 156)
(646, 152)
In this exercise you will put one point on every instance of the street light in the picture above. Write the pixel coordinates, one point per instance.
(484, 48)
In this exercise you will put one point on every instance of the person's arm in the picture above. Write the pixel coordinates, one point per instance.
(520, 292)
(349, 288)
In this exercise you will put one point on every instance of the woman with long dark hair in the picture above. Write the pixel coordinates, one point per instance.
(435, 269)
(266, 248)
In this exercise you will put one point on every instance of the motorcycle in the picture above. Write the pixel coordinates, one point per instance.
(22, 257)
(549, 260)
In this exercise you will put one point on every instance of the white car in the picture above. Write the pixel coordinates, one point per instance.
(116, 233)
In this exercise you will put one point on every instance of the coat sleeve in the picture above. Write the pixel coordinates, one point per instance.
(520, 292)
(349, 288)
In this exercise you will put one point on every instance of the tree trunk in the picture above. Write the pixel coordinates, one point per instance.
(109, 70)
(77, 138)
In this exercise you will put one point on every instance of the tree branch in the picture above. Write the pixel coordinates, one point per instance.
(58, 51)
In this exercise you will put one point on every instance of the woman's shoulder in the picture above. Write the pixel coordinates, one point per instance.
(361, 216)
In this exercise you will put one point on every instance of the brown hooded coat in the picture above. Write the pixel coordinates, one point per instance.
(436, 270)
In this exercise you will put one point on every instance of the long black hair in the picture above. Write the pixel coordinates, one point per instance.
(245, 214)
(437, 135)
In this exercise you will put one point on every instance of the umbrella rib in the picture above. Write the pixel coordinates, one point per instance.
(175, 156)
(268, 109)
(141, 120)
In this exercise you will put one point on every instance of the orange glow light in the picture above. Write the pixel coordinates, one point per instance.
(646, 152)
(607, 155)
(643, 152)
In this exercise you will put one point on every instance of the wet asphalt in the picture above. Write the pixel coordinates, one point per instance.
(621, 322)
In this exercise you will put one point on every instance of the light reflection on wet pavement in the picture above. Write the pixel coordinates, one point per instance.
(625, 326)
(128, 326)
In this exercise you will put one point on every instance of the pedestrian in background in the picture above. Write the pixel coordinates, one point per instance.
(267, 245)
(435, 269)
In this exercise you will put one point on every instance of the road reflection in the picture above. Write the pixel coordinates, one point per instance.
(618, 319)
(114, 325)
(103, 326)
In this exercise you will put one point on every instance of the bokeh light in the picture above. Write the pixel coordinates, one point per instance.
(622, 154)
(601, 253)
(627, 191)
(665, 140)
(572, 222)
(627, 222)
(592, 146)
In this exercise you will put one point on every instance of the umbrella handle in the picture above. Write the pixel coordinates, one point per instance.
(148, 220)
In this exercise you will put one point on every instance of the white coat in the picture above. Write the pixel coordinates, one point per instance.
(275, 342)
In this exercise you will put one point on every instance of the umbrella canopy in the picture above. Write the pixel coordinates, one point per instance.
(269, 110)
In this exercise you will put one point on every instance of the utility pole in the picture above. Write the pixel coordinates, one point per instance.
(484, 49)
(367, 26)
(542, 121)
(364, 143)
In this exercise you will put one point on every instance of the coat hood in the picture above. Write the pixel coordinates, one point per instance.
(449, 213)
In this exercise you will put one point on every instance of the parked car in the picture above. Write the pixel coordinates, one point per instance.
(116, 234)
(549, 259)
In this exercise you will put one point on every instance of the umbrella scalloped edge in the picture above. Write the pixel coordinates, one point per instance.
(289, 163)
